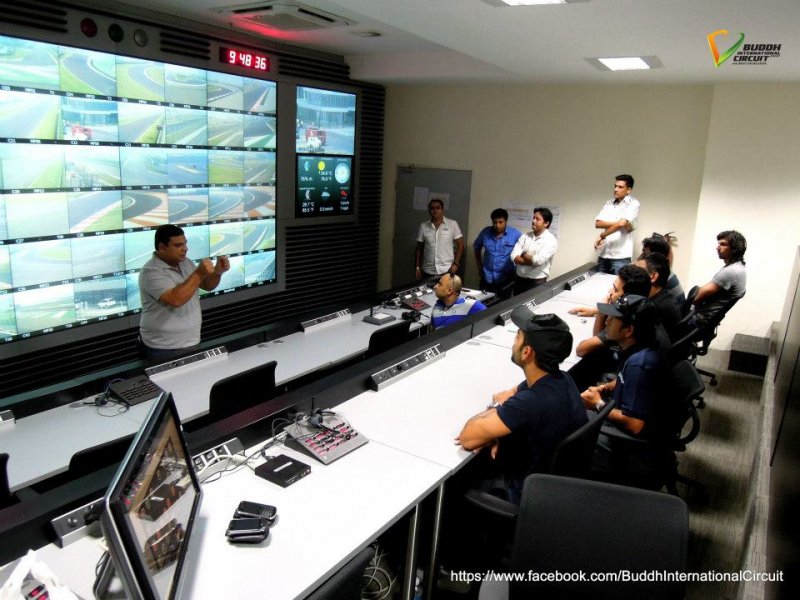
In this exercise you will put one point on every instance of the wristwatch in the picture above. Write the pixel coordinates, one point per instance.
(599, 406)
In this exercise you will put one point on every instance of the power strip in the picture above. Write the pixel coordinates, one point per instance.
(218, 458)
(505, 317)
(397, 371)
(326, 319)
(72, 526)
(187, 360)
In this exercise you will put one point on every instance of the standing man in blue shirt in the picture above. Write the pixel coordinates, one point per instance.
(493, 248)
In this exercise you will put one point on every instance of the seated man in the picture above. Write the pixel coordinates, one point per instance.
(663, 245)
(716, 297)
(632, 324)
(451, 307)
(657, 267)
(524, 424)
(598, 353)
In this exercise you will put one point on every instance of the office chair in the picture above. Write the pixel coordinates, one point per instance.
(388, 337)
(348, 582)
(97, 457)
(571, 458)
(678, 424)
(6, 497)
(571, 525)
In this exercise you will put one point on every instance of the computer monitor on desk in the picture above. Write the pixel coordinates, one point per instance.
(150, 508)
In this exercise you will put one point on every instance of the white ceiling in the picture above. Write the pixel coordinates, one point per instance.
(472, 41)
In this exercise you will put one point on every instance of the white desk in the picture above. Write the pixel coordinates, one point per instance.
(589, 292)
(51, 438)
(580, 327)
(423, 413)
(323, 521)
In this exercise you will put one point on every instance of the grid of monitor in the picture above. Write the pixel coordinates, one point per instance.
(98, 149)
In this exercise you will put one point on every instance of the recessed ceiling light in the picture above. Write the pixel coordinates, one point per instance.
(366, 34)
(626, 63)
(530, 2)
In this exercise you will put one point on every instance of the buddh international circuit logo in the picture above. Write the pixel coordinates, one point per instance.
(749, 54)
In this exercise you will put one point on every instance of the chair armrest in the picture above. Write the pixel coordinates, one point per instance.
(492, 504)
(616, 433)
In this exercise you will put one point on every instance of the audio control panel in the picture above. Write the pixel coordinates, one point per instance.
(505, 317)
(397, 371)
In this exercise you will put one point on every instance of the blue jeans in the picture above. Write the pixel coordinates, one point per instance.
(612, 265)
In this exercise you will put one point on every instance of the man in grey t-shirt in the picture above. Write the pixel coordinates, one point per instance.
(168, 285)
(716, 297)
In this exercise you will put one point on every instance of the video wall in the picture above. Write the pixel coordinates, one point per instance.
(96, 151)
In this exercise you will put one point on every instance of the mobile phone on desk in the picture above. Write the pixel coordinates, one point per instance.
(247, 510)
(247, 531)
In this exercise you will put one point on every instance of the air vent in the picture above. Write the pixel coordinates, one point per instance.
(39, 15)
(285, 15)
(195, 46)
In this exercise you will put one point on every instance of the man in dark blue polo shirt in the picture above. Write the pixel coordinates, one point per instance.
(524, 424)
(493, 248)
(632, 323)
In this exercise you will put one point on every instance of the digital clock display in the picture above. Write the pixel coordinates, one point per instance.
(244, 58)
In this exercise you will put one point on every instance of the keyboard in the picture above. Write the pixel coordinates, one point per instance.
(135, 390)
(328, 442)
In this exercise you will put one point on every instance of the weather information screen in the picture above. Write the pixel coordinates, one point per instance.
(323, 185)
(96, 151)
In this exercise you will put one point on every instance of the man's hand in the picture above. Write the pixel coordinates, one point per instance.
(223, 264)
(206, 267)
(500, 397)
(583, 311)
(599, 242)
(591, 396)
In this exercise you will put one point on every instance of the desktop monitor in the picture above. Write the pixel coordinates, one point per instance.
(151, 506)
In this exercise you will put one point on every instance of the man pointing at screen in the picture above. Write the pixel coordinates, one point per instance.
(168, 286)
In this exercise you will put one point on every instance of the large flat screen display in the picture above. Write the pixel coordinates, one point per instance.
(96, 150)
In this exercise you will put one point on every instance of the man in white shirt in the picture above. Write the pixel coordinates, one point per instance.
(440, 244)
(534, 251)
(617, 219)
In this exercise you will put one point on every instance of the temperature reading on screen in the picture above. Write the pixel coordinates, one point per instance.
(244, 58)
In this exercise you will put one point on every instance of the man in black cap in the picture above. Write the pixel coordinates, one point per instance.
(524, 424)
(632, 324)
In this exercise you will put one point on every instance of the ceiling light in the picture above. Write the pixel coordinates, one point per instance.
(530, 2)
(625, 63)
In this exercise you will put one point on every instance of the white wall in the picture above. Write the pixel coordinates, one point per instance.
(689, 147)
(751, 183)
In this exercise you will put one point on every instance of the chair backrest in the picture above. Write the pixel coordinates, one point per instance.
(387, 338)
(689, 302)
(685, 386)
(573, 455)
(571, 525)
(348, 582)
(6, 498)
(242, 391)
(97, 457)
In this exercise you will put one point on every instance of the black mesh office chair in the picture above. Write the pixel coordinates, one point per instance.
(388, 337)
(348, 582)
(97, 457)
(678, 424)
(568, 526)
(6, 497)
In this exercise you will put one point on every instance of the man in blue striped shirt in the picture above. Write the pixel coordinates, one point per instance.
(451, 307)
(493, 248)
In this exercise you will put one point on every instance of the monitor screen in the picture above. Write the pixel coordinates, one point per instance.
(326, 121)
(151, 506)
(324, 185)
(96, 151)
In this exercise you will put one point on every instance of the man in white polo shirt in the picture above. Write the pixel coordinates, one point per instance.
(440, 244)
(617, 219)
